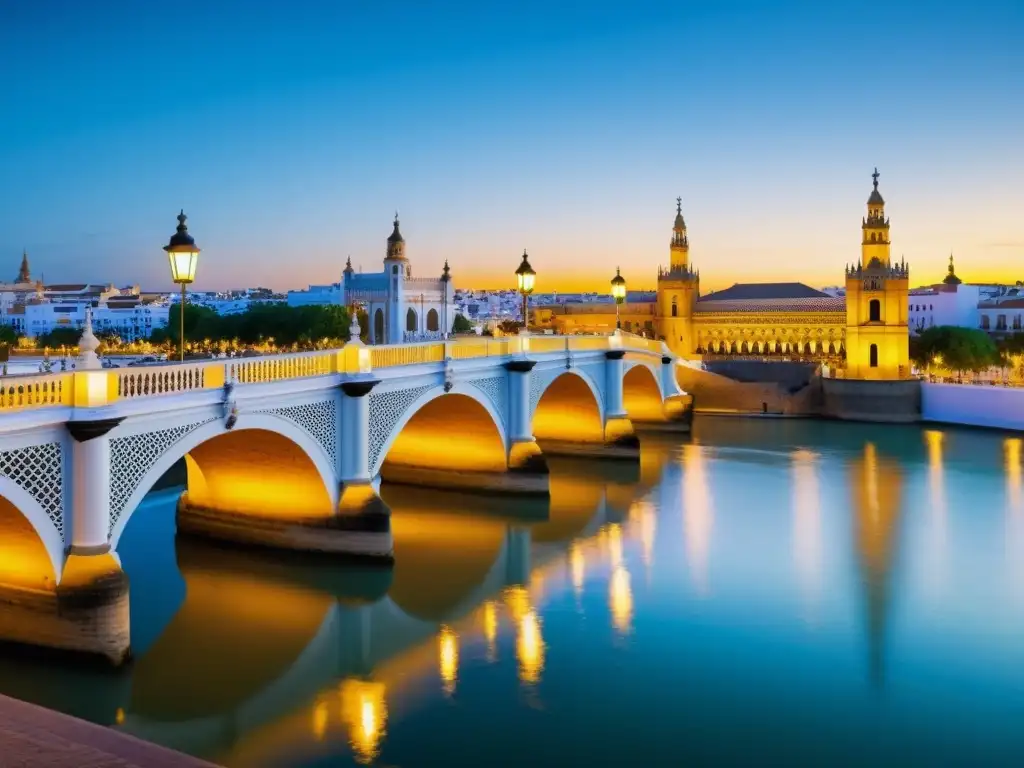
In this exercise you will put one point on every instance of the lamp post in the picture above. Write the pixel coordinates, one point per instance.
(183, 253)
(446, 278)
(524, 281)
(619, 294)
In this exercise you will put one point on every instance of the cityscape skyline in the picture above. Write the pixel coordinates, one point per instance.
(291, 153)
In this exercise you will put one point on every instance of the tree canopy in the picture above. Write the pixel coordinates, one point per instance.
(461, 324)
(955, 348)
(286, 325)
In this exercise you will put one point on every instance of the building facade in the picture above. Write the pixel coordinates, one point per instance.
(863, 331)
(400, 307)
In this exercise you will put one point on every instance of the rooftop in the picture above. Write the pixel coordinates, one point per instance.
(821, 303)
(749, 291)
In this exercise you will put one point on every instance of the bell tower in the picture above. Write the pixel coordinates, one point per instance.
(397, 269)
(877, 341)
(678, 288)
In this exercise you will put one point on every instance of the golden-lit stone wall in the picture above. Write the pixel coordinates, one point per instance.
(820, 334)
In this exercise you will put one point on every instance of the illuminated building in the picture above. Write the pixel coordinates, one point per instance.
(867, 328)
(400, 307)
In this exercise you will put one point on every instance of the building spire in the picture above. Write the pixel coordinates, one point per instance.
(396, 243)
(23, 272)
(875, 176)
(951, 277)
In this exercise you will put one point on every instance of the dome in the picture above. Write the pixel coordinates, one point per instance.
(396, 236)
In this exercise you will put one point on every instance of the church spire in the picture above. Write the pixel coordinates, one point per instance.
(396, 243)
(875, 226)
(23, 273)
(951, 277)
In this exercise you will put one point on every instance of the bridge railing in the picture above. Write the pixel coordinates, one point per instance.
(24, 392)
(299, 365)
(102, 387)
(144, 381)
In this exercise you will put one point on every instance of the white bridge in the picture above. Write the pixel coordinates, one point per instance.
(291, 454)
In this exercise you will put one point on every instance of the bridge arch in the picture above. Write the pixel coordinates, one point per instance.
(292, 444)
(569, 407)
(641, 394)
(460, 429)
(31, 547)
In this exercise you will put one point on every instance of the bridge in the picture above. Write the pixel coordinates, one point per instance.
(290, 455)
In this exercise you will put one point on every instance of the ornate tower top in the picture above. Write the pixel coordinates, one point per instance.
(348, 266)
(951, 278)
(876, 196)
(396, 243)
(446, 273)
(679, 227)
(23, 273)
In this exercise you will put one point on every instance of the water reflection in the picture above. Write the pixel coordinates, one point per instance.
(876, 486)
(364, 712)
(698, 514)
(260, 661)
(807, 542)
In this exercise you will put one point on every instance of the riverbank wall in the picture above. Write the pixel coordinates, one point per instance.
(973, 405)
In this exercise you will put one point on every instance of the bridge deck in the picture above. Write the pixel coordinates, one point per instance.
(31, 735)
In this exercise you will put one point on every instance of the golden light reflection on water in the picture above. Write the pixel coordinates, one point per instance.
(807, 540)
(320, 720)
(577, 566)
(491, 629)
(647, 520)
(871, 479)
(1011, 462)
(448, 658)
(936, 482)
(517, 600)
(698, 514)
(530, 648)
(615, 544)
(364, 712)
(620, 600)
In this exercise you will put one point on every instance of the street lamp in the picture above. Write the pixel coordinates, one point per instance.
(183, 254)
(446, 278)
(619, 294)
(524, 281)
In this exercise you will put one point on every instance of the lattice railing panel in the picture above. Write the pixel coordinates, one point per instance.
(319, 420)
(386, 410)
(38, 470)
(133, 456)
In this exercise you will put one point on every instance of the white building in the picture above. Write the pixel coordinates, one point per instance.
(950, 302)
(400, 307)
(128, 318)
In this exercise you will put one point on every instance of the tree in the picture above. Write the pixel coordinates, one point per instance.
(461, 324)
(955, 348)
(8, 336)
(59, 337)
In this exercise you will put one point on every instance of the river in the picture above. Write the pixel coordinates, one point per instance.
(762, 592)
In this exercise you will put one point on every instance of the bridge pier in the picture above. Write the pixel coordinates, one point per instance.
(613, 437)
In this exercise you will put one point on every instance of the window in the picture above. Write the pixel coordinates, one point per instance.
(378, 326)
(875, 311)
(874, 356)
(984, 322)
(675, 307)
(432, 320)
(1001, 323)
(394, 270)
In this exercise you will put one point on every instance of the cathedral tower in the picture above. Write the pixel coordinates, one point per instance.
(877, 341)
(23, 274)
(678, 288)
(397, 269)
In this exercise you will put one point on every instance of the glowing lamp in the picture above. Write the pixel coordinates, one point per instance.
(618, 287)
(619, 294)
(524, 282)
(183, 254)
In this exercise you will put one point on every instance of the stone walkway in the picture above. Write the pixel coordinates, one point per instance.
(32, 736)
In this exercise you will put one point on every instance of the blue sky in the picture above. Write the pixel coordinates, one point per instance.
(291, 132)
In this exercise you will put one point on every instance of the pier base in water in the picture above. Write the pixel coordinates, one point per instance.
(86, 614)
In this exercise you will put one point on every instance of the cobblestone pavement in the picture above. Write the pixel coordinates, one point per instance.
(34, 737)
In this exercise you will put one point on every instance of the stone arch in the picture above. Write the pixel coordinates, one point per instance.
(31, 547)
(432, 320)
(410, 320)
(434, 429)
(378, 326)
(287, 434)
(641, 394)
(564, 412)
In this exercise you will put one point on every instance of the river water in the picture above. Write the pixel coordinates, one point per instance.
(765, 591)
